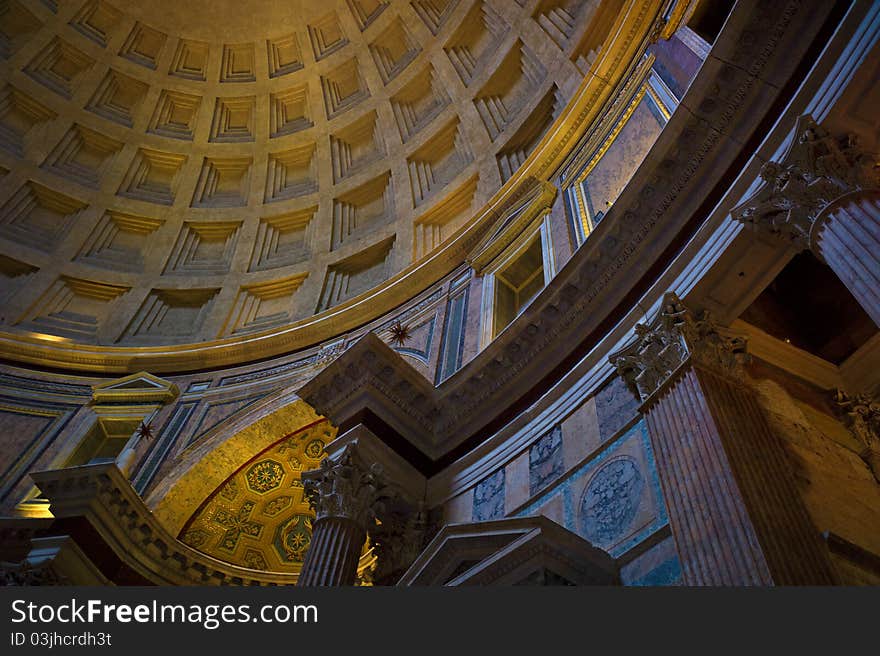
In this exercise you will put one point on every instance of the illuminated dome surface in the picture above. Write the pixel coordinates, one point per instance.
(181, 172)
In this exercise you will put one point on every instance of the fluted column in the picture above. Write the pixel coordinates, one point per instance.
(734, 511)
(846, 236)
(333, 554)
(823, 196)
(343, 493)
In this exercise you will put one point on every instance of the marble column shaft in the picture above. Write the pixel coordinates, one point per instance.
(735, 513)
(847, 237)
(334, 553)
(344, 493)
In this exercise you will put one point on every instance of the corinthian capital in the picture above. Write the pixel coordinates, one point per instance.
(862, 415)
(399, 539)
(672, 337)
(345, 487)
(816, 170)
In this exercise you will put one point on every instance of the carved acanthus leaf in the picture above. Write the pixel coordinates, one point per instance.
(817, 169)
(674, 335)
(345, 487)
(399, 539)
(862, 415)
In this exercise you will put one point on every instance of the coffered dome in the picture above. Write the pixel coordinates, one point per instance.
(180, 172)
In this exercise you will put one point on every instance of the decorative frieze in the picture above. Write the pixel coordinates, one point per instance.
(329, 352)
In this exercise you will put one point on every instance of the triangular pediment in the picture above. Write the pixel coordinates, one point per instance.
(142, 387)
(511, 551)
(520, 217)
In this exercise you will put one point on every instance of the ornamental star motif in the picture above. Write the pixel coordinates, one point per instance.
(400, 333)
(145, 431)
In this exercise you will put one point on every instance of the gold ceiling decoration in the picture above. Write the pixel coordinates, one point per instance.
(258, 518)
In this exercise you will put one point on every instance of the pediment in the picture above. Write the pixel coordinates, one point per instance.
(512, 224)
(142, 387)
(513, 551)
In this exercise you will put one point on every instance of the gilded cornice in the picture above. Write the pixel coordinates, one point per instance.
(584, 158)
